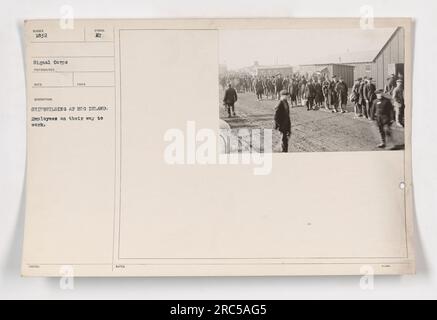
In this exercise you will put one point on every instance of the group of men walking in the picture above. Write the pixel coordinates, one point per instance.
(318, 92)
(313, 92)
(364, 94)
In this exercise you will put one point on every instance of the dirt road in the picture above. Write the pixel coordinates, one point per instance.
(311, 131)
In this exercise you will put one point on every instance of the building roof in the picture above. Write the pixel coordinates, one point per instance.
(275, 66)
(325, 64)
(347, 58)
(358, 57)
(386, 43)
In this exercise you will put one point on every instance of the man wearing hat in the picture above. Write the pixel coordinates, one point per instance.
(369, 96)
(326, 93)
(391, 84)
(282, 119)
(309, 94)
(342, 90)
(293, 89)
(270, 83)
(333, 93)
(319, 93)
(355, 95)
(383, 114)
(229, 100)
(398, 102)
(259, 89)
(278, 86)
(361, 98)
(301, 89)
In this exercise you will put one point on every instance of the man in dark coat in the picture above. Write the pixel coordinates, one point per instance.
(355, 96)
(285, 83)
(342, 90)
(309, 95)
(271, 87)
(361, 98)
(293, 89)
(278, 86)
(370, 96)
(229, 100)
(333, 93)
(301, 89)
(319, 93)
(326, 94)
(383, 114)
(282, 119)
(259, 89)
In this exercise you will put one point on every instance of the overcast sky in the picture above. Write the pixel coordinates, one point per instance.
(240, 48)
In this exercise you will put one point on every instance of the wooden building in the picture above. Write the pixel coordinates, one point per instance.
(378, 65)
(389, 60)
(267, 70)
(284, 70)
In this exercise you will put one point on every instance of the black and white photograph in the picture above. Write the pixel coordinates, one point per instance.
(319, 90)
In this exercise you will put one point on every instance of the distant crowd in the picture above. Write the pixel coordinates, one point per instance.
(316, 92)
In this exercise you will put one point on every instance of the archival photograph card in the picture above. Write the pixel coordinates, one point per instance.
(218, 147)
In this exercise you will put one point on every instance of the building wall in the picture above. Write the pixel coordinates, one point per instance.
(340, 70)
(392, 53)
(362, 70)
(309, 69)
(344, 71)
